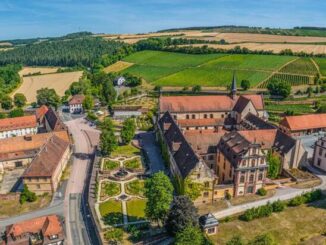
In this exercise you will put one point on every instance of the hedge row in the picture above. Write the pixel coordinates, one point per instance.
(278, 206)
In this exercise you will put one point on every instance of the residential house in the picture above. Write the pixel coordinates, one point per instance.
(119, 81)
(18, 126)
(52, 121)
(75, 104)
(303, 124)
(209, 224)
(45, 230)
(45, 170)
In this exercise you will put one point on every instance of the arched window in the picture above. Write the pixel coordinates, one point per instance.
(253, 163)
(187, 116)
(262, 161)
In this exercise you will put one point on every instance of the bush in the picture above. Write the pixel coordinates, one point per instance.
(27, 196)
(278, 206)
(228, 196)
(254, 213)
(114, 235)
(262, 192)
(296, 201)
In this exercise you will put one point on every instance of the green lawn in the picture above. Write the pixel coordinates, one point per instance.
(292, 226)
(126, 151)
(133, 163)
(135, 187)
(177, 69)
(111, 212)
(321, 62)
(136, 209)
(110, 165)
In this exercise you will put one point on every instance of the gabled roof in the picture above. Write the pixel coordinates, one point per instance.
(208, 220)
(7, 124)
(205, 103)
(183, 154)
(304, 122)
(25, 146)
(46, 161)
(241, 104)
(77, 99)
(41, 111)
(50, 225)
(254, 122)
(54, 121)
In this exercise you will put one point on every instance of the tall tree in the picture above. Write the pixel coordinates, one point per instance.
(6, 102)
(17, 112)
(108, 142)
(88, 102)
(128, 130)
(159, 193)
(49, 97)
(182, 213)
(279, 88)
(245, 84)
(19, 100)
(274, 165)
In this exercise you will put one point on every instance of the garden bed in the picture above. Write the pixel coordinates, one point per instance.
(133, 164)
(111, 212)
(110, 165)
(136, 209)
(135, 188)
(109, 189)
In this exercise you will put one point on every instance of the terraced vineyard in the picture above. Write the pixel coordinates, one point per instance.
(321, 62)
(293, 80)
(303, 66)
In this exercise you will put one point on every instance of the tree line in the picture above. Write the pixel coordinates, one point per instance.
(86, 52)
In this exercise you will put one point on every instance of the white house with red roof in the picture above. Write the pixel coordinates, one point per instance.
(75, 104)
(18, 126)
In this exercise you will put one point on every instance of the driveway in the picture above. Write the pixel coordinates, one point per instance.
(148, 142)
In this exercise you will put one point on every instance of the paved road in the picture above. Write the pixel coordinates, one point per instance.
(285, 193)
(147, 141)
(75, 226)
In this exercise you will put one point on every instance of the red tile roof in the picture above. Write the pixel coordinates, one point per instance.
(204, 103)
(49, 225)
(7, 124)
(304, 122)
(77, 99)
(46, 161)
(201, 122)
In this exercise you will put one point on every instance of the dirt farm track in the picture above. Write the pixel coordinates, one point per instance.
(58, 81)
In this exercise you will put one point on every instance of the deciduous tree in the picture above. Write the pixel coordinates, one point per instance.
(46, 96)
(159, 193)
(108, 142)
(19, 100)
(6, 102)
(128, 130)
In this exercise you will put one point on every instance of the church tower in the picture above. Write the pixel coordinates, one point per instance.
(234, 87)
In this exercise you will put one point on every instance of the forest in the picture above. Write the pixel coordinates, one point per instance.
(72, 52)
(9, 78)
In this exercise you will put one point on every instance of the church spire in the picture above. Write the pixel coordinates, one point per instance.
(234, 86)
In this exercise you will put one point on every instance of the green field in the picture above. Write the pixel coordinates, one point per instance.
(136, 209)
(321, 62)
(296, 108)
(177, 69)
(111, 212)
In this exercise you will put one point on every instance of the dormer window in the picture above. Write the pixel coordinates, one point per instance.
(52, 237)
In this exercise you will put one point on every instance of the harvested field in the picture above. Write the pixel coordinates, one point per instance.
(5, 44)
(58, 81)
(216, 36)
(42, 70)
(118, 66)
(275, 47)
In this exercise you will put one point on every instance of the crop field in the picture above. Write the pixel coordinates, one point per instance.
(292, 80)
(321, 62)
(118, 66)
(296, 108)
(58, 81)
(302, 66)
(28, 70)
(211, 70)
(275, 47)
